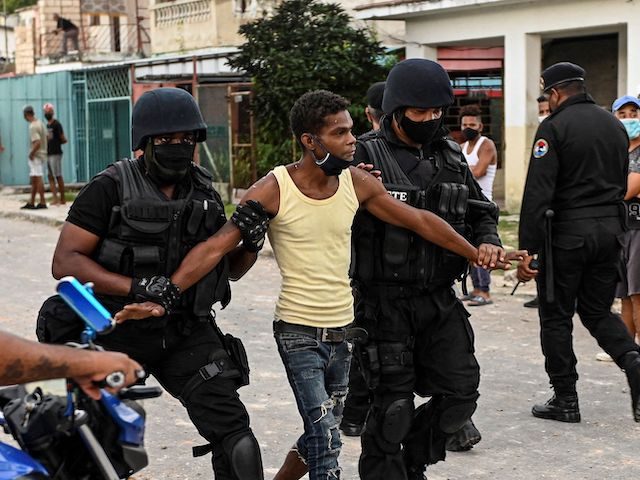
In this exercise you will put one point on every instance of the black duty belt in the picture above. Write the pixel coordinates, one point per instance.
(329, 335)
(596, 211)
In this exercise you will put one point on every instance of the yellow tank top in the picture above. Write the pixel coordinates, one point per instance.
(311, 241)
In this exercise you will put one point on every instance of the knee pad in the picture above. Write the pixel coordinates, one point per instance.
(455, 411)
(243, 452)
(396, 420)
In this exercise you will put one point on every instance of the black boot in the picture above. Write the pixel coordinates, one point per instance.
(631, 365)
(351, 429)
(560, 407)
(464, 439)
(416, 474)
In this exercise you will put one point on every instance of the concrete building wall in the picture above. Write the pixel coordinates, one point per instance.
(521, 27)
(187, 25)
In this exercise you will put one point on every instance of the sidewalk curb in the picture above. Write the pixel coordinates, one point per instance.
(52, 222)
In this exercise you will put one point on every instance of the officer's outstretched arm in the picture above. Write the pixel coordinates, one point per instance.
(204, 257)
(374, 197)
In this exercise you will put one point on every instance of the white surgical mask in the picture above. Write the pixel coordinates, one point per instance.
(541, 118)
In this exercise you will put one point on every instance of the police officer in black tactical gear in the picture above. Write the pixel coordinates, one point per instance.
(127, 232)
(420, 338)
(572, 216)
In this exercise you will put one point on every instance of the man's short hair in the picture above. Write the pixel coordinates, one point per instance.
(542, 99)
(471, 111)
(310, 110)
(28, 110)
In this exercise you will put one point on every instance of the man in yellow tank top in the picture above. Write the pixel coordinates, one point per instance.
(312, 203)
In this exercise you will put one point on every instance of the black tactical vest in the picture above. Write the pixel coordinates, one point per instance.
(149, 235)
(387, 255)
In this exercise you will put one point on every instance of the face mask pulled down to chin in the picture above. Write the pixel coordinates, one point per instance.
(330, 164)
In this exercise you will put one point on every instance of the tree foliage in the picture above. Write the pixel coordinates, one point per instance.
(13, 5)
(306, 45)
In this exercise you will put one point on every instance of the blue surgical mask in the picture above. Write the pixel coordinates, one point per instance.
(632, 126)
(331, 165)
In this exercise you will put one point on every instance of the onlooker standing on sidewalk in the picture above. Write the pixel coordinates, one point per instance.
(69, 32)
(627, 109)
(482, 158)
(37, 157)
(55, 140)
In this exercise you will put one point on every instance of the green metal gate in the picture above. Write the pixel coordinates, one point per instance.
(103, 100)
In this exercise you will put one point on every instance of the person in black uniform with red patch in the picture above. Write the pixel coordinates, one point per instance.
(572, 216)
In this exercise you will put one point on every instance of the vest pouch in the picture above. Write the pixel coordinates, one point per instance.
(115, 257)
(396, 245)
(146, 222)
(146, 260)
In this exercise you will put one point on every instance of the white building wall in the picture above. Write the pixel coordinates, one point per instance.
(519, 26)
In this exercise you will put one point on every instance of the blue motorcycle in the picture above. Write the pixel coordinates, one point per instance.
(67, 435)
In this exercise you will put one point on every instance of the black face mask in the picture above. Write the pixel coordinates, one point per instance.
(168, 164)
(331, 165)
(420, 132)
(48, 116)
(470, 134)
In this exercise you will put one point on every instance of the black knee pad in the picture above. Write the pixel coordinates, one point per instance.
(455, 411)
(244, 456)
(396, 420)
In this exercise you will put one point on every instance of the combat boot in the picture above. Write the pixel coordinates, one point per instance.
(293, 467)
(416, 474)
(631, 364)
(563, 408)
(464, 439)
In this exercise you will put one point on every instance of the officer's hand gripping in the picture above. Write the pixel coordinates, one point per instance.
(157, 289)
(253, 221)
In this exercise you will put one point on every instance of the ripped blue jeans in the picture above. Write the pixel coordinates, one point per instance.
(318, 373)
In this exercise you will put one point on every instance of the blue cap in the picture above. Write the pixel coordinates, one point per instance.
(622, 101)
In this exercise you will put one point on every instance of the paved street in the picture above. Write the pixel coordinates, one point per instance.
(514, 445)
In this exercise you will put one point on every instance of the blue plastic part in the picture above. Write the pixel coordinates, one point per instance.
(15, 463)
(130, 422)
(81, 299)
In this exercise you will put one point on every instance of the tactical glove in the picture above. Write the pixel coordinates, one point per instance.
(157, 289)
(253, 221)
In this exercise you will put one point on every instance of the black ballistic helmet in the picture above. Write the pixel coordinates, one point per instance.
(417, 83)
(165, 110)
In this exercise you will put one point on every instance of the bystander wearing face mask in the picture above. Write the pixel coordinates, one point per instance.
(632, 126)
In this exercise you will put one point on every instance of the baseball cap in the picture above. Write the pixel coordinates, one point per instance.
(622, 101)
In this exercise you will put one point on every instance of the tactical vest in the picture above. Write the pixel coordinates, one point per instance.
(387, 255)
(149, 235)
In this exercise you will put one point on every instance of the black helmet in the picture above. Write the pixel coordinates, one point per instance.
(418, 83)
(165, 110)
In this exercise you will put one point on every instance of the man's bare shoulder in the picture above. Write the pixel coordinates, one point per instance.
(266, 191)
(365, 184)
